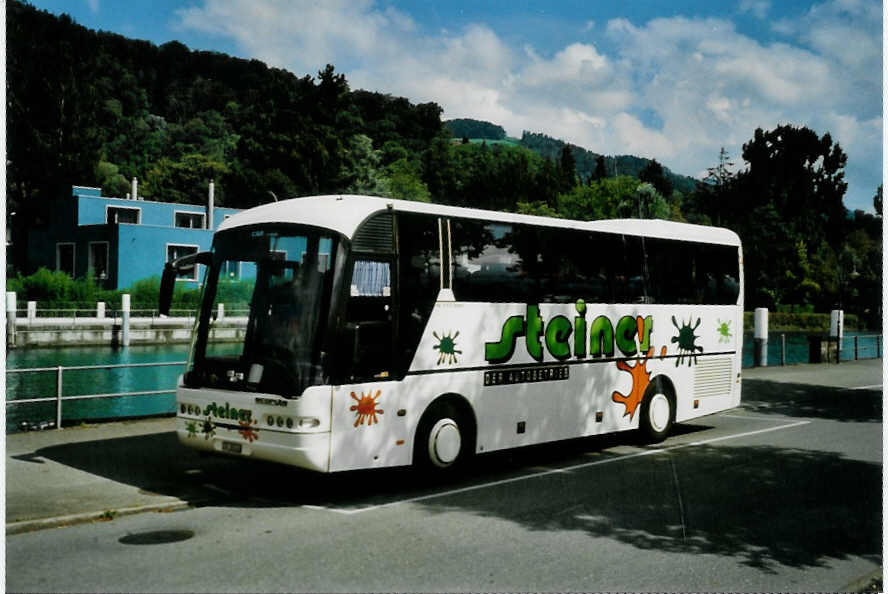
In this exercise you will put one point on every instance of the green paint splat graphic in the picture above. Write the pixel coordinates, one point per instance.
(686, 340)
(191, 428)
(446, 348)
(724, 331)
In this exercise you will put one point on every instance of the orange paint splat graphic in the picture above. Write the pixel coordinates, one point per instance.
(366, 408)
(248, 431)
(663, 353)
(641, 377)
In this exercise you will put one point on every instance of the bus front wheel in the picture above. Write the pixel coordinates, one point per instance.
(657, 412)
(443, 438)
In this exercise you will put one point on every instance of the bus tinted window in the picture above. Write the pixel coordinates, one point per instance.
(420, 279)
(625, 260)
(682, 272)
(574, 265)
(671, 271)
(718, 274)
(493, 261)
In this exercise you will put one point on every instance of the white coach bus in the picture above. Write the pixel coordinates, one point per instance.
(385, 333)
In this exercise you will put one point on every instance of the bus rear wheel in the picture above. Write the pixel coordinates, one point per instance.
(657, 412)
(443, 438)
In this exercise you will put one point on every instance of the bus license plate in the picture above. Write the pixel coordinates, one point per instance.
(234, 448)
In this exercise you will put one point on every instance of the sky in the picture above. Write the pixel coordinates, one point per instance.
(673, 81)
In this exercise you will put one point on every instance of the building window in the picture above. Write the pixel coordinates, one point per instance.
(65, 258)
(123, 214)
(98, 260)
(177, 251)
(189, 220)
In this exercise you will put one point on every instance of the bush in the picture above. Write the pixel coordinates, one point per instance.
(56, 290)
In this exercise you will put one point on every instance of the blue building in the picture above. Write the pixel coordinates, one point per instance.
(119, 241)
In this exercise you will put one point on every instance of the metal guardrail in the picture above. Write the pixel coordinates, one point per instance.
(59, 397)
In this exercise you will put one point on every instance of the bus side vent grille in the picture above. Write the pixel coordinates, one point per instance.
(712, 377)
(375, 235)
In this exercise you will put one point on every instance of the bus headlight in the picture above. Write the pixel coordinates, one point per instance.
(293, 423)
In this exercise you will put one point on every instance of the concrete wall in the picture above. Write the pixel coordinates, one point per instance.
(54, 332)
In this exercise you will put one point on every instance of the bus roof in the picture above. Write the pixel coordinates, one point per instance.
(345, 213)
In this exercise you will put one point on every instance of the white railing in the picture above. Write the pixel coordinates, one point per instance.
(60, 398)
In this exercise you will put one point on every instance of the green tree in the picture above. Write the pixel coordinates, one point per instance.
(653, 174)
(110, 179)
(600, 169)
(649, 204)
(567, 171)
(717, 179)
(361, 168)
(405, 181)
(790, 191)
(801, 175)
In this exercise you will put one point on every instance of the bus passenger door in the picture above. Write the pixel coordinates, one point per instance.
(365, 402)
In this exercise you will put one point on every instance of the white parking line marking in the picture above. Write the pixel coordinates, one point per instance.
(218, 489)
(560, 470)
(762, 418)
(874, 387)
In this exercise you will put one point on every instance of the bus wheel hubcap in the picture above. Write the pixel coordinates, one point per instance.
(659, 412)
(444, 443)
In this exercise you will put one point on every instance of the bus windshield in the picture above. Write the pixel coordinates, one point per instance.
(284, 278)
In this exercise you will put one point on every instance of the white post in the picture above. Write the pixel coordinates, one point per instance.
(208, 223)
(221, 315)
(760, 337)
(32, 311)
(125, 319)
(10, 318)
(837, 330)
(100, 310)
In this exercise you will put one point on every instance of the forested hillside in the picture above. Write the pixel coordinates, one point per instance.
(97, 109)
(587, 162)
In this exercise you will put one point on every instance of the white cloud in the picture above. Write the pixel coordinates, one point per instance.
(758, 8)
(576, 62)
(706, 84)
(93, 6)
(306, 35)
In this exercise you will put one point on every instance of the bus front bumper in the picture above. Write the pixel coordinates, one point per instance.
(304, 450)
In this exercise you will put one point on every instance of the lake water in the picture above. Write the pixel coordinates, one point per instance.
(94, 381)
(105, 381)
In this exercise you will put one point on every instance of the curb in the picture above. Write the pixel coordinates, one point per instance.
(58, 521)
(860, 584)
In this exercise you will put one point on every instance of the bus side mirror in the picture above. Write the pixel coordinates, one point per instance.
(167, 284)
(171, 270)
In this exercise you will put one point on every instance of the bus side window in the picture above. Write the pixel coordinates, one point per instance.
(574, 266)
(488, 263)
(626, 270)
(369, 321)
(670, 269)
(718, 277)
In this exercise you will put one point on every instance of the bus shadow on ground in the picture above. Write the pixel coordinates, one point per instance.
(159, 464)
(812, 401)
(764, 506)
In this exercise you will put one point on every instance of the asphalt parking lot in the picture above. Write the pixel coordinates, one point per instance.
(783, 493)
